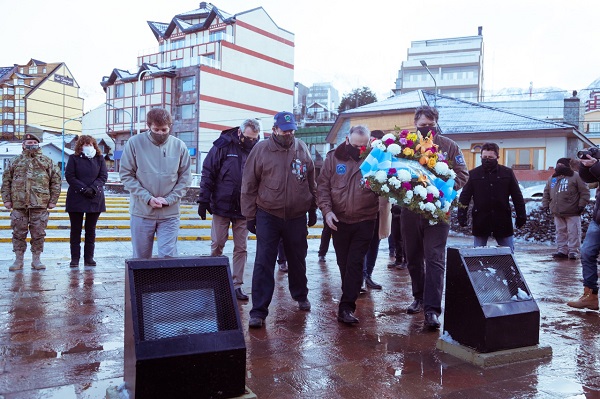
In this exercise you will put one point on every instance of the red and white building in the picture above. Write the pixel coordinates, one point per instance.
(212, 70)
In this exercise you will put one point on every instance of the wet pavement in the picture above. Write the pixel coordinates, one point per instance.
(61, 333)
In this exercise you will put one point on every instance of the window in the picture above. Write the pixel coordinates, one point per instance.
(9, 103)
(21, 103)
(142, 114)
(119, 91)
(9, 116)
(189, 138)
(119, 116)
(21, 90)
(187, 83)
(148, 86)
(21, 129)
(20, 82)
(177, 44)
(9, 90)
(21, 115)
(185, 111)
(33, 70)
(525, 158)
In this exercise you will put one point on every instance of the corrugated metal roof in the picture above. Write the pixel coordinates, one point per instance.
(4, 71)
(541, 109)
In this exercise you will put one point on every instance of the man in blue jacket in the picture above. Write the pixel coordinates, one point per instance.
(220, 188)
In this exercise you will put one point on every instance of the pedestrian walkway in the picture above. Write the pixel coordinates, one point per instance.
(62, 333)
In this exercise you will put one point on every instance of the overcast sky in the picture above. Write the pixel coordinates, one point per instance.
(348, 43)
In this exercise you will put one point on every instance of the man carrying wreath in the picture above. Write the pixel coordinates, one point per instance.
(350, 210)
(425, 243)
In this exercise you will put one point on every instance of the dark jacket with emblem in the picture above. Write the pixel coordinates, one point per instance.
(491, 213)
(280, 181)
(339, 189)
(221, 182)
(592, 175)
(82, 172)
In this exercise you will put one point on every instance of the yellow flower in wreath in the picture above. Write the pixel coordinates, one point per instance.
(431, 163)
(409, 152)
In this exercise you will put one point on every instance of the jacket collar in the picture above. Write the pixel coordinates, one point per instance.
(341, 153)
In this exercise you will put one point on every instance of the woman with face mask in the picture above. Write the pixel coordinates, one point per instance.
(86, 174)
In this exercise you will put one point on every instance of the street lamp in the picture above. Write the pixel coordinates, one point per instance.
(130, 118)
(434, 82)
(62, 166)
(139, 97)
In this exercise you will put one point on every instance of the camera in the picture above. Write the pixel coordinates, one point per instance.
(593, 152)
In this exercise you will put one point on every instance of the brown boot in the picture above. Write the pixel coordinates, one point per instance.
(587, 301)
(36, 263)
(18, 263)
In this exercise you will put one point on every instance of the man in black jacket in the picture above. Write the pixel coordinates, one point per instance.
(220, 188)
(490, 186)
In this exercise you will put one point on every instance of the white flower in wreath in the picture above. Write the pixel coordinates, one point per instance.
(385, 188)
(429, 207)
(392, 201)
(446, 207)
(404, 175)
(387, 137)
(420, 191)
(381, 176)
(433, 190)
(408, 197)
(379, 145)
(441, 168)
(438, 204)
(394, 182)
(452, 174)
(394, 149)
(375, 143)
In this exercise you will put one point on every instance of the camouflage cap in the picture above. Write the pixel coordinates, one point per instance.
(31, 136)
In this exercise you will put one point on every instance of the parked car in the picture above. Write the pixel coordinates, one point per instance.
(537, 192)
(113, 177)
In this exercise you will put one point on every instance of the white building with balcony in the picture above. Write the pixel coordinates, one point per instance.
(212, 70)
(455, 63)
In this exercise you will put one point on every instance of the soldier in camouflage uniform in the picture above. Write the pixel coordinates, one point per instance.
(30, 186)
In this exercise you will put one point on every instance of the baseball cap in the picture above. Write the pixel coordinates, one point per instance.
(285, 121)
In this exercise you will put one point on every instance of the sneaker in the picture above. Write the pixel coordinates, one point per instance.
(559, 255)
(283, 267)
(573, 255)
(255, 322)
(304, 305)
(322, 259)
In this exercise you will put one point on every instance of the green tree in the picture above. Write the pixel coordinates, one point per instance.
(357, 98)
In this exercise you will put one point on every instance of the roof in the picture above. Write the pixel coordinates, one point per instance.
(541, 109)
(5, 71)
(457, 116)
(207, 12)
(126, 76)
(12, 148)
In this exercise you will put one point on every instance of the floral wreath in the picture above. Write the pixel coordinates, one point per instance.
(408, 170)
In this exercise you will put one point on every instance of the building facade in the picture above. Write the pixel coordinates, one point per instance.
(211, 70)
(322, 102)
(39, 95)
(455, 63)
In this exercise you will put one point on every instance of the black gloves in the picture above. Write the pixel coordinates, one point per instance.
(545, 209)
(520, 222)
(312, 217)
(202, 208)
(581, 209)
(251, 225)
(88, 192)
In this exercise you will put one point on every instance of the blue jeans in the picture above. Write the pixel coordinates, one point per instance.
(269, 230)
(589, 256)
(502, 242)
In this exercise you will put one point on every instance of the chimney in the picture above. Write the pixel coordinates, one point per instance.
(203, 4)
(480, 31)
(571, 111)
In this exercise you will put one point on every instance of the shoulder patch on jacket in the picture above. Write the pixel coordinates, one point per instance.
(459, 159)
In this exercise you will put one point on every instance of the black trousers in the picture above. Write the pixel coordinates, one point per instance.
(76, 218)
(351, 243)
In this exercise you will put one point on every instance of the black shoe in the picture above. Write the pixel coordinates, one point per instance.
(283, 267)
(402, 266)
(89, 262)
(559, 255)
(304, 305)
(363, 288)
(415, 307)
(431, 321)
(372, 284)
(346, 316)
(240, 294)
(74, 263)
(255, 322)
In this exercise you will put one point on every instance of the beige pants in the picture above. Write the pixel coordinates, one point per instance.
(568, 234)
(33, 221)
(219, 233)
